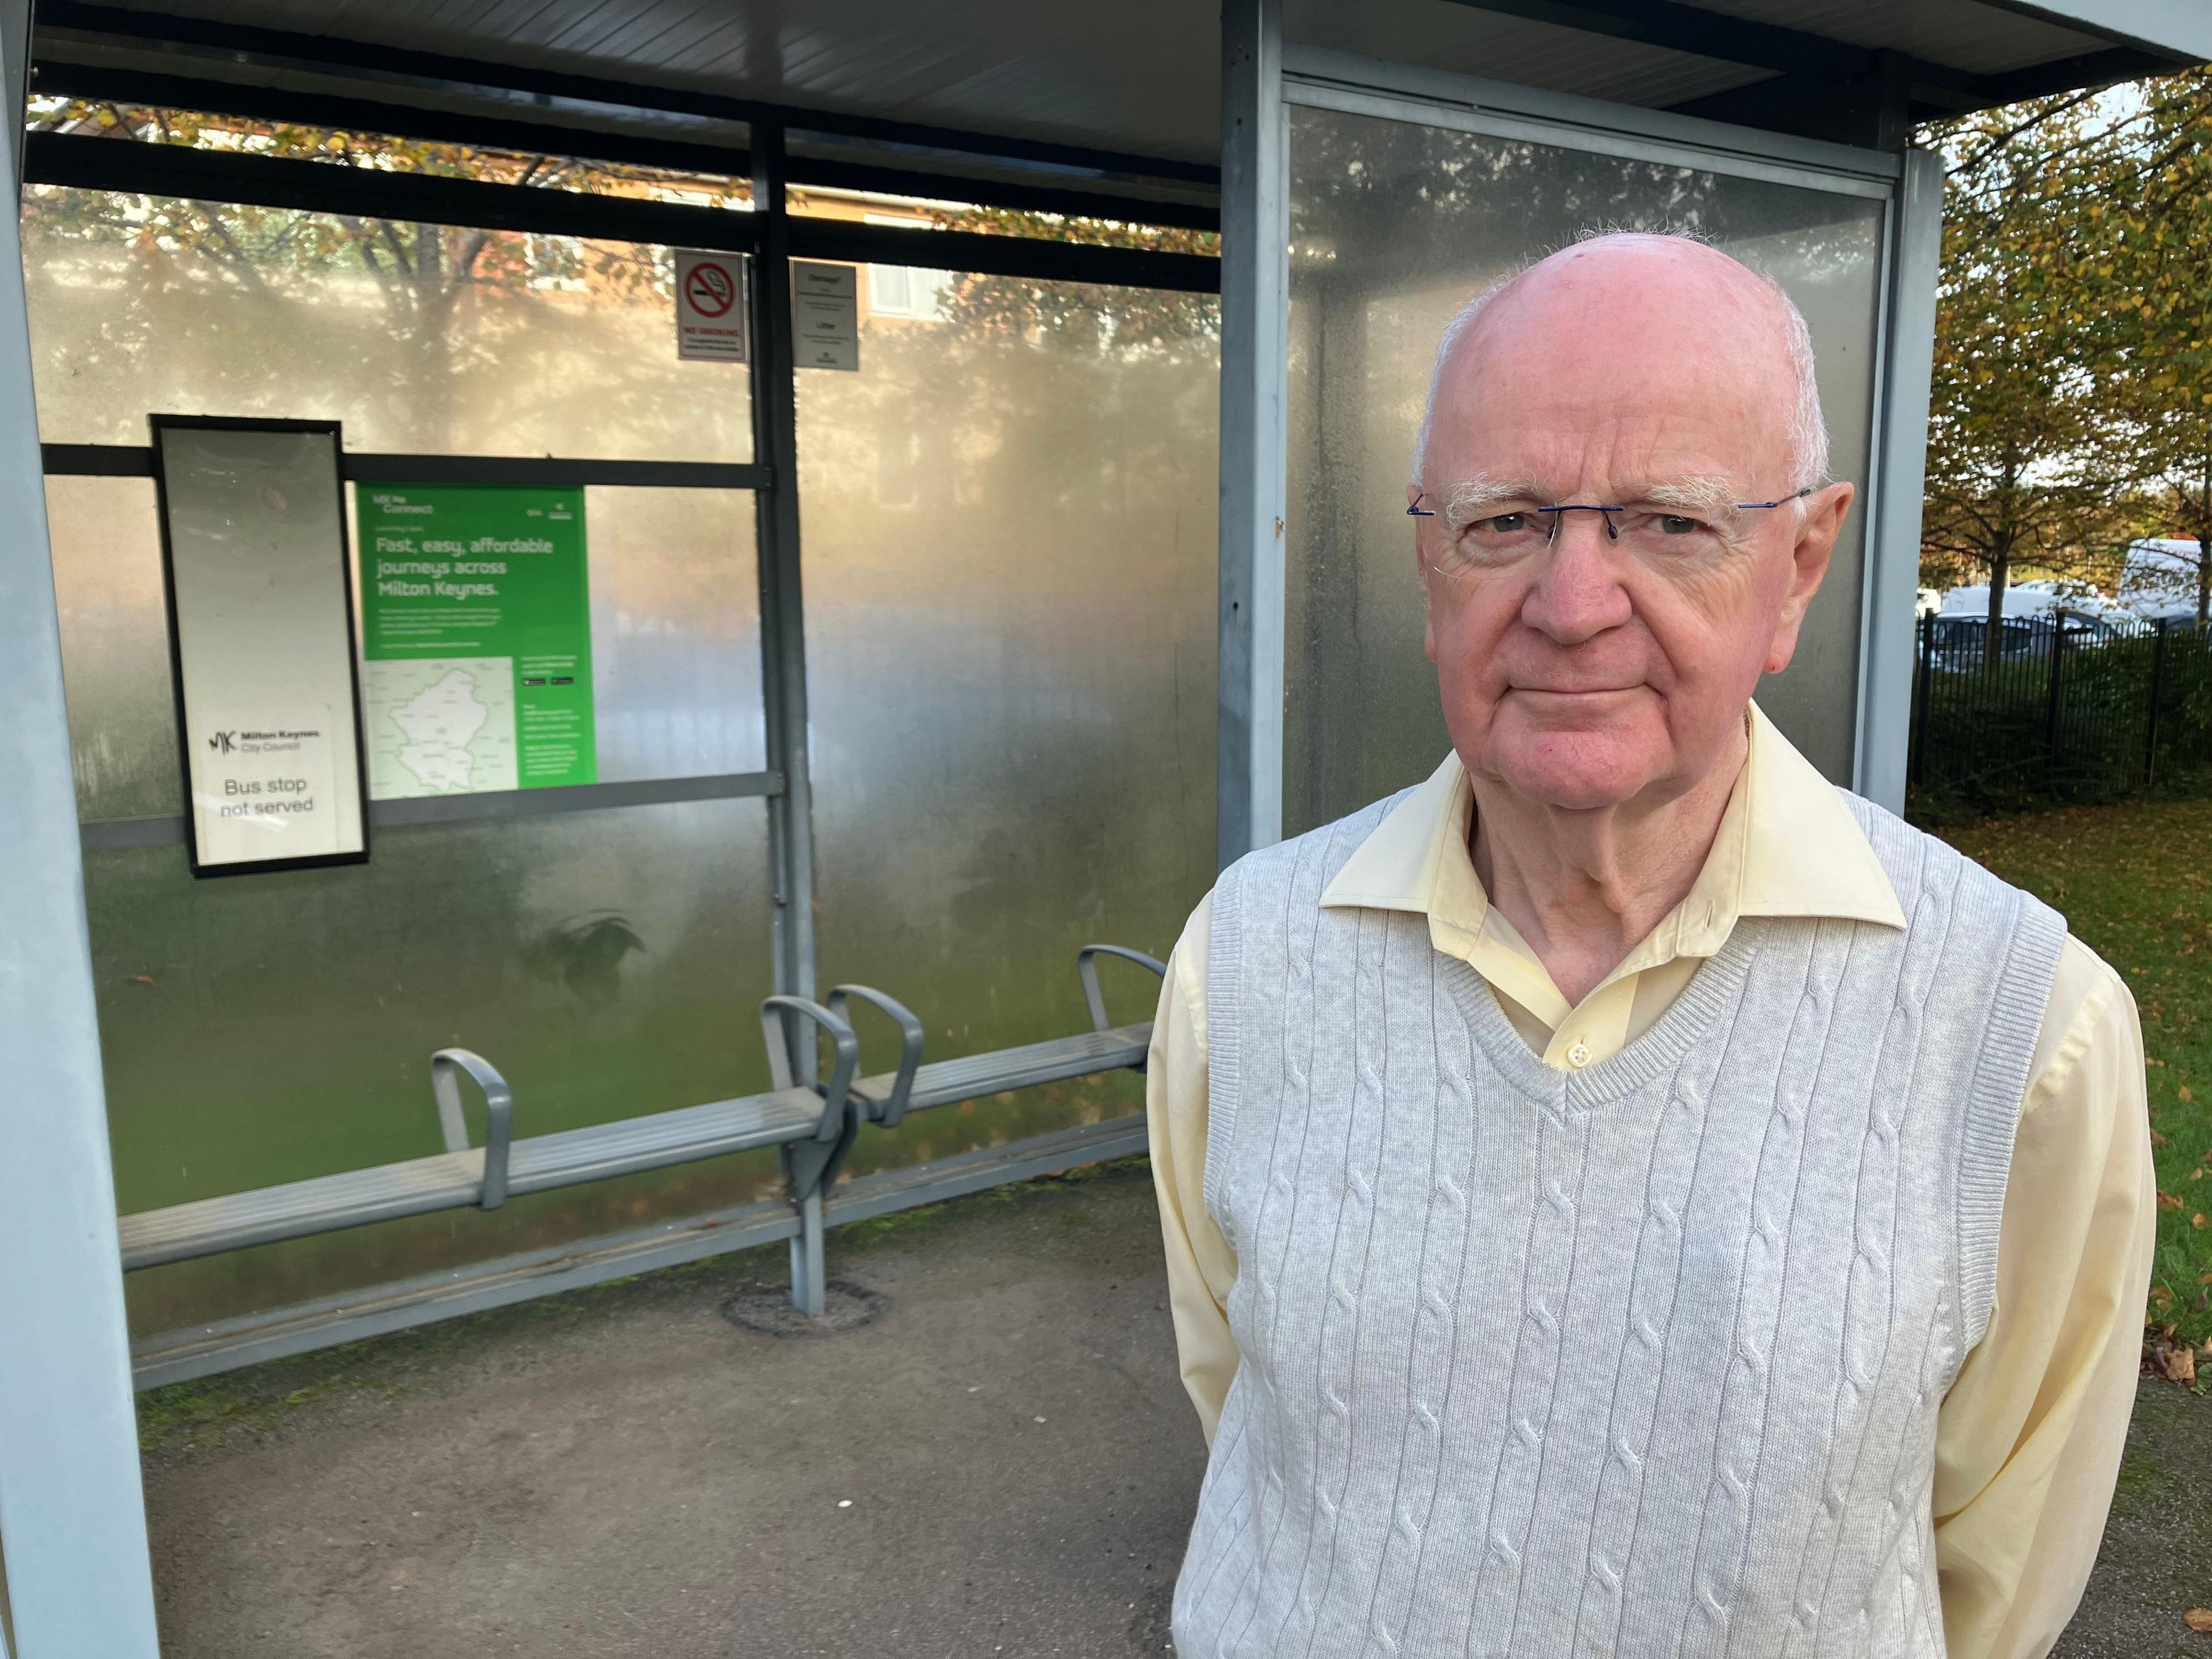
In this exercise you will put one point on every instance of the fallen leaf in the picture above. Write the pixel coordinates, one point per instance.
(2183, 1090)
(2198, 1618)
(2197, 1220)
(2156, 1139)
(142, 979)
(2177, 1362)
(2169, 1200)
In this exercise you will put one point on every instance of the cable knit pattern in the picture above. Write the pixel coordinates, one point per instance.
(1640, 1360)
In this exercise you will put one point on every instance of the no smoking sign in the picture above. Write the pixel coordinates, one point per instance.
(710, 307)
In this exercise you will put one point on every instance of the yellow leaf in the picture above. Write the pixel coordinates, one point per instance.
(2198, 1618)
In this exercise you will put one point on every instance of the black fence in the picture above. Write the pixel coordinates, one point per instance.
(2065, 709)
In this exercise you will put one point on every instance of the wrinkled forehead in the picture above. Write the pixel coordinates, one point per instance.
(1680, 357)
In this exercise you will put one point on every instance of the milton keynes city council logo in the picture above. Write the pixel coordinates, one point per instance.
(223, 742)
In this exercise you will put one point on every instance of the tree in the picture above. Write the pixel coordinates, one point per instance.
(2146, 272)
(2017, 468)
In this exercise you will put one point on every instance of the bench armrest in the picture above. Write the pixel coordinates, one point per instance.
(1086, 969)
(893, 1108)
(445, 1068)
(787, 1064)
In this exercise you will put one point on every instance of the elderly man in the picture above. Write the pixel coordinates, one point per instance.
(1623, 1195)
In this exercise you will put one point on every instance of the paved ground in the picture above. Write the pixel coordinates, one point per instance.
(624, 1471)
(2157, 1560)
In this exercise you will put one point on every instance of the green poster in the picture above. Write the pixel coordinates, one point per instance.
(477, 638)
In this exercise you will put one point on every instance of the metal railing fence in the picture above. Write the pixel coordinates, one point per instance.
(2065, 709)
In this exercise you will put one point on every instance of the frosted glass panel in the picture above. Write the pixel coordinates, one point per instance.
(1009, 559)
(115, 645)
(1394, 226)
(481, 343)
(675, 632)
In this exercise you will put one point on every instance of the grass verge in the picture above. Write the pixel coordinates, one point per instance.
(2132, 881)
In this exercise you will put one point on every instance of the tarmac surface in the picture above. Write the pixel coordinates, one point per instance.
(997, 1458)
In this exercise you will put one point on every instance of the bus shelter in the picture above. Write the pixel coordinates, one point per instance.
(836, 509)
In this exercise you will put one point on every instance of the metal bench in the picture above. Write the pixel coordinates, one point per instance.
(811, 1122)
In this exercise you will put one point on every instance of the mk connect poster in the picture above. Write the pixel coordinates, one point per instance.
(477, 638)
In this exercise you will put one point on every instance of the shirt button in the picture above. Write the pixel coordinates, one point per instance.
(1578, 1055)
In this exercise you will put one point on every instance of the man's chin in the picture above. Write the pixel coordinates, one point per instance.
(1575, 772)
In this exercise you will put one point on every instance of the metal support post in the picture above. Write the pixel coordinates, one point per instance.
(2157, 687)
(1889, 615)
(72, 1517)
(783, 617)
(1925, 681)
(2051, 711)
(1254, 434)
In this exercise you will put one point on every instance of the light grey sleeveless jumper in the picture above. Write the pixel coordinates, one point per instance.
(1642, 1359)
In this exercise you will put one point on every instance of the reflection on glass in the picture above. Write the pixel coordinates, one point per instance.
(421, 338)
(1010, 561)
(1394, 226)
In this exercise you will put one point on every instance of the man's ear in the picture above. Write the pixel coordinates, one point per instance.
(1825, 512)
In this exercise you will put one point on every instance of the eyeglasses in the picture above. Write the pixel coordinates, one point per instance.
(1642, 526)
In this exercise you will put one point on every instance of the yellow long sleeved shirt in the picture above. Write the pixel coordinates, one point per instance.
(2028, 1440)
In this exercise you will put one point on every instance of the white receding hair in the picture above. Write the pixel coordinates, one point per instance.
(1808, 428)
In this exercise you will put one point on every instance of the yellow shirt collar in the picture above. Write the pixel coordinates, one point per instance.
(1787, 846)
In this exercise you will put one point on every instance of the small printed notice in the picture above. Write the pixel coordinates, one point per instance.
(476, 638)
(825, 315)
(710, 307)
(253, 547)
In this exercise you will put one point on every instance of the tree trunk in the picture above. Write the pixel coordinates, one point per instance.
(1993, 636)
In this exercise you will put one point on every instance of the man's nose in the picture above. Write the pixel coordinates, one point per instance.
(1577, 592)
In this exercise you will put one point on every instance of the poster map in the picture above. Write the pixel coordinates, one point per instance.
(476, 615)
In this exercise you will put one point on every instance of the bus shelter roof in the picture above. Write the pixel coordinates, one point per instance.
(1128, 93)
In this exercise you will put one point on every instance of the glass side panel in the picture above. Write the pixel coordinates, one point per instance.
(1009, 557)
(421, 338)
(1394, 226)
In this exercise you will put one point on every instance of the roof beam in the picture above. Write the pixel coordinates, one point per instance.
(101, 82)
(117, 26)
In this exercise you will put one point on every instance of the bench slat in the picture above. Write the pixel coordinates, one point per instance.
(384, 1193)
(946, 1082)
(571, 1157)
(574, 1156)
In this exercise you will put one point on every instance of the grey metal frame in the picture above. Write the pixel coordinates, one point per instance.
(72, 1514)
(782, 604)
(1255, 227)
(1882, 754)
(1262, 76)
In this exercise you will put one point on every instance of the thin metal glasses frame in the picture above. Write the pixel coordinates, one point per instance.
(1612, 530)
